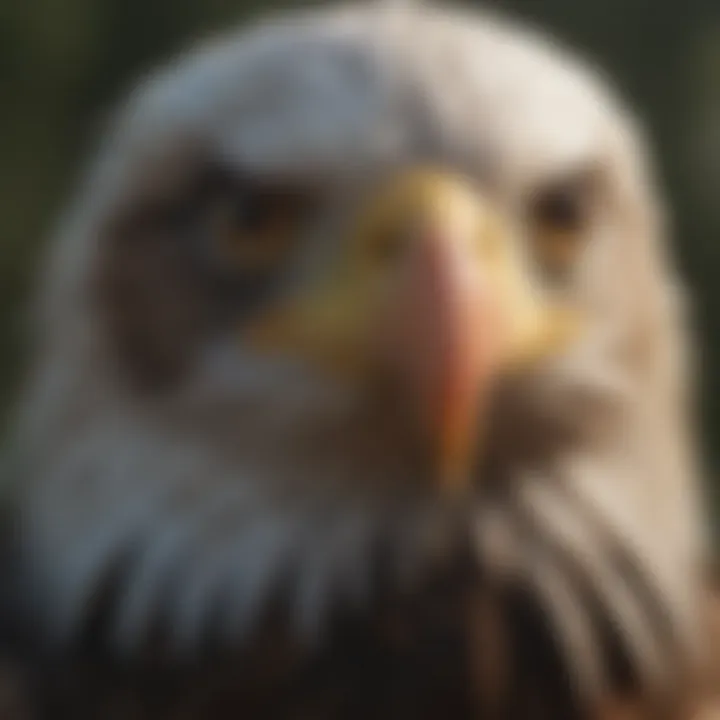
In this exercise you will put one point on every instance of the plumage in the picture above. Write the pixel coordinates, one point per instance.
(206, 528)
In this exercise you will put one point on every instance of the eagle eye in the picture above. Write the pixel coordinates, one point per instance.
(560, 213)
(253, 229)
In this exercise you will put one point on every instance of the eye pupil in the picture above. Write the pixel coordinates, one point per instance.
(560, 209)
(258, 214)
(566, 205)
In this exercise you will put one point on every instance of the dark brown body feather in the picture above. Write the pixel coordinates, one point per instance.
(453, 648)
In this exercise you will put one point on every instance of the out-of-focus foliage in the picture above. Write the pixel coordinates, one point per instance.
(64, 64)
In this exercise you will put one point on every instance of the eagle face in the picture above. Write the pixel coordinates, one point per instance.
(283, 247)
(359, 284)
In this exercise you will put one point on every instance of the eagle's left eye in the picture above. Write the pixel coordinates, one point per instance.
(560, 213)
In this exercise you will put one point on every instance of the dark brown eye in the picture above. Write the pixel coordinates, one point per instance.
(254, 229)
(565, 204)
(560, 209)
(560, 213)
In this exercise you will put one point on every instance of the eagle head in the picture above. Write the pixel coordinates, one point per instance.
(352, 300)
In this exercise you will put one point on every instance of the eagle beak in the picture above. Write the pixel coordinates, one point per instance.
(432, 293)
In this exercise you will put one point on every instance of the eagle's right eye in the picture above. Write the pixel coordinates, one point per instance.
(254, 230)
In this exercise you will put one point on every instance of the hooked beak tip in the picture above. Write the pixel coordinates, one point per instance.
(443, 338)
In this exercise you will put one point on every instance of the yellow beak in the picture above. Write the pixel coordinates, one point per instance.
(433, 291)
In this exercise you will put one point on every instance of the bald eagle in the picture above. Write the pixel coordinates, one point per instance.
(361, 391)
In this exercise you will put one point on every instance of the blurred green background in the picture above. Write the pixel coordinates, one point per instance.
(63, 63)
